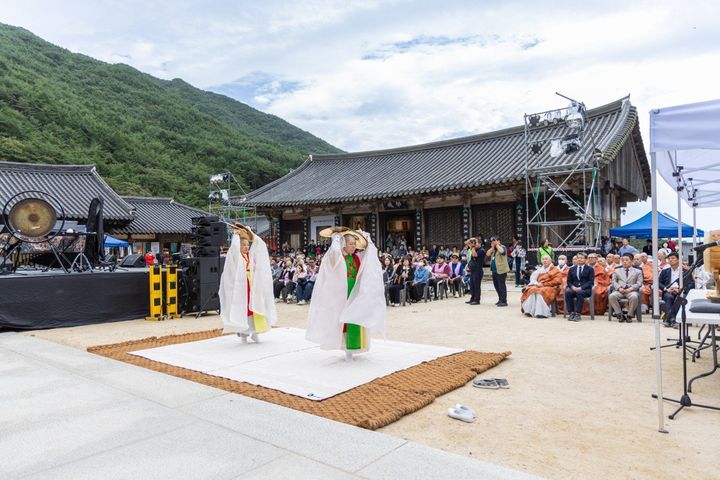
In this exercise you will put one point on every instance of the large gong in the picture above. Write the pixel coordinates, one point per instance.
(31, 216)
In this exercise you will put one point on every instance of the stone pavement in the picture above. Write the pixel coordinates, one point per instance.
(69, 414)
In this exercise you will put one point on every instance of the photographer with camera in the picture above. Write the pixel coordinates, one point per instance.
(499, 268)
(476, 259)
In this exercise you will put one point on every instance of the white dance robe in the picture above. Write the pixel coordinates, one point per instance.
(233, 288)
(331, 307)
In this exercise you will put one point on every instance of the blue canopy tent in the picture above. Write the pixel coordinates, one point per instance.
(642, 228)
(111, 242)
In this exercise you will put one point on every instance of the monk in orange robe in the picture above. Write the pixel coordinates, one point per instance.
(602, 283)
(647, 269)
(542, 290)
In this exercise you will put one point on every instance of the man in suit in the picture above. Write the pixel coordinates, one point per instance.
(627, 282)
(669, 283)
(580, 281)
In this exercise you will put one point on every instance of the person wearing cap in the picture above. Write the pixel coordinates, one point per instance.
(499, 268)
(349, 294)
(247, 303)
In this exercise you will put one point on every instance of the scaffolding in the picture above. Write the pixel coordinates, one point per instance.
(565, 179)
(224, 195)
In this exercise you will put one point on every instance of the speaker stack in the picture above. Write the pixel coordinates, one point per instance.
(201, 274)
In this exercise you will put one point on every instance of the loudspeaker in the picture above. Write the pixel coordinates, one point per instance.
(133, 261)
(207, 252)
(214, 234)
(200, 283)
(206, 220)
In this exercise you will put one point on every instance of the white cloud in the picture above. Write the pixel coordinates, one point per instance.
(376, 74)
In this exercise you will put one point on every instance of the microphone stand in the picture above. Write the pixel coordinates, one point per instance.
(679, 305)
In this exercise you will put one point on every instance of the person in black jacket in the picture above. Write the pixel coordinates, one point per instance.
(669, 283)
(580, 282)
(404, 273)
(476, 261)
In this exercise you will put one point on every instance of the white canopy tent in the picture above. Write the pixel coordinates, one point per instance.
(685, 150)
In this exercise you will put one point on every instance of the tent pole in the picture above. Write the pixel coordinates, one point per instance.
(679, 190)
(694, 225)
(655, 289)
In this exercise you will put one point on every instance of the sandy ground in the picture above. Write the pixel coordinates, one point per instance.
(579, 405)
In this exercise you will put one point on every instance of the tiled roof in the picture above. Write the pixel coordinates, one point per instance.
(483, 160)
(74, 186)
(159, 216)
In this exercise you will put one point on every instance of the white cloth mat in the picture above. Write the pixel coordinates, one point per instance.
(285, 361)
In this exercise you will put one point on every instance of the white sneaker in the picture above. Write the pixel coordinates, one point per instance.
(301, 302)
(255, 338)
(277, 300)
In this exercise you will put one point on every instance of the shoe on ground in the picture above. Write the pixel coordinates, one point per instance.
(255, 338)
(474, 303)
(502, 382)
(301, 302)
(461, 414)
(488, 383)
(469, 301)
(465, 409)
(667, 324)
(502, 304)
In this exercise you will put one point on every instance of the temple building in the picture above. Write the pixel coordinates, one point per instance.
(511, 182)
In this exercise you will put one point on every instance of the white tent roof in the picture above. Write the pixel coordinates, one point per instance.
(686, 139)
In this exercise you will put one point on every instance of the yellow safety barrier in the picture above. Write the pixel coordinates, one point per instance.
(171, 292)
(156, 293)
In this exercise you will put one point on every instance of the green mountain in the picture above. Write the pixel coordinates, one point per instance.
(147, 136)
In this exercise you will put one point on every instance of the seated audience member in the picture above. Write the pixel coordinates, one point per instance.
(669, 283)
(388, 269)
(422, 275)
(580, 282)
(305, 287)
(403, 275)
(627, 284)
(285, 278)
(646, 292)
(564, 268)
(439, 273)
(602, 284)
(299, 276)
(457, 271)
(592, 261)
(542, 290)
(662, 262)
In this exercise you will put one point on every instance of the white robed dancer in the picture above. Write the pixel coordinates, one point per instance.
(247, 303)
(348, 300)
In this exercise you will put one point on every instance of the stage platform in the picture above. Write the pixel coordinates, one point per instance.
(31, 300)
(285, 361)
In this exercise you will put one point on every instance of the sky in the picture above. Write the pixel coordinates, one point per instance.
(366, 75)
